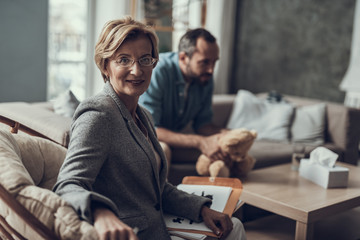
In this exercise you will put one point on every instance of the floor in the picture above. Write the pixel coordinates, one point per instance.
(344, 226)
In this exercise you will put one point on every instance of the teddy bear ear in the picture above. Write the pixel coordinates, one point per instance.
(254, 132)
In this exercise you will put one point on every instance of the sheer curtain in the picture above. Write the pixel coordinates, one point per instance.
(351, 81)
(101, 12)
(220, 21)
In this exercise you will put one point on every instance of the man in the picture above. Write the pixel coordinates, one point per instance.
(181, 91)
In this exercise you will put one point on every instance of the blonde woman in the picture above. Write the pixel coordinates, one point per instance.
(114, 174)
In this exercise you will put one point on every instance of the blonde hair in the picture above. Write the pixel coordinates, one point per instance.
(114, 33)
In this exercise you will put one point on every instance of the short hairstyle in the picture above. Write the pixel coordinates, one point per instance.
(114, 33)
(187, 42)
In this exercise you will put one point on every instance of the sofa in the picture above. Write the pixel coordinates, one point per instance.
(341, 134)
(340, 130)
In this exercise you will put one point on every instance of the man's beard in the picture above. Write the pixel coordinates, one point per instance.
(193, 77)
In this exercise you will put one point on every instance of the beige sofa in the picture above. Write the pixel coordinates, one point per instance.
(341, 133)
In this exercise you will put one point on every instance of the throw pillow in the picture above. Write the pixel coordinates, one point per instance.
(65, 104)
(270, 119)
(309, 124)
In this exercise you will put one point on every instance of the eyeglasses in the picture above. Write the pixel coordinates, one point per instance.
(144, 61)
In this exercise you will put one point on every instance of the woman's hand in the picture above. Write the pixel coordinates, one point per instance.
(109, 227)
(218, 222)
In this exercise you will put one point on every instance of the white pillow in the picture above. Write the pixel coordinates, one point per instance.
(309, 124)
(270, 120)
(65, 104)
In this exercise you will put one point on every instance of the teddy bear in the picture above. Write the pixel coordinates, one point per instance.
(236, 143)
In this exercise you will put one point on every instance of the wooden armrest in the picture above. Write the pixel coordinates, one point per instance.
(15, 127)
(25, 215)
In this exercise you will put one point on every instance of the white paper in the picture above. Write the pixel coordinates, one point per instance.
(186, 235)
(323, 156)
(219, 196)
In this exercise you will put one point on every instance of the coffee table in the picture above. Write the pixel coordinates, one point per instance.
(282, 191)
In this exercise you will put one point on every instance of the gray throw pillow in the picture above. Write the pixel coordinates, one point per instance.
(270, 119)
(309, 124)
(65, 104)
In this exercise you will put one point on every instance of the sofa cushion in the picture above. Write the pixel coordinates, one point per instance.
(309, 124)
(65, 104)
(41, 120)
(270, 120)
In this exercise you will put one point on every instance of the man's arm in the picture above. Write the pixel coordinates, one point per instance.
(210, 129)
(208, 145)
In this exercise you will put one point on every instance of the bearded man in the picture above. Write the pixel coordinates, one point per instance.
(180, 93)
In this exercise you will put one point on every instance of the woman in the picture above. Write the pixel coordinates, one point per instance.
(114, 174)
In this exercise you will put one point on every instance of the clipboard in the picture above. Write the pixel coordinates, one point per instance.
(230, 206)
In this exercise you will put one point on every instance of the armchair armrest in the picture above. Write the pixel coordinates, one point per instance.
(24, 215)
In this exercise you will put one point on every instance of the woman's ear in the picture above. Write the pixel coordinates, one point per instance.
(106, 72)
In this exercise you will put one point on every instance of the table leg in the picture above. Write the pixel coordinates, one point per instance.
(304, 231)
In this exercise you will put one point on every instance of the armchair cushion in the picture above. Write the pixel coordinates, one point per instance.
(28, 169)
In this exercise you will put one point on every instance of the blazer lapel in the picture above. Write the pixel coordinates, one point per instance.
(153, 138)
(135, 131)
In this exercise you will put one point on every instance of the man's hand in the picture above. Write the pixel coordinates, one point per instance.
(210, 147)
(218, 222)
(110, 227)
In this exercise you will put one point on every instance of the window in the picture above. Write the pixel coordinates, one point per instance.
(67, 47)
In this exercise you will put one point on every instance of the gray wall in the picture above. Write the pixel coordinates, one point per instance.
(297, 47)
(23, 50)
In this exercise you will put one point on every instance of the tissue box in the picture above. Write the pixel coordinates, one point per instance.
(324, 176)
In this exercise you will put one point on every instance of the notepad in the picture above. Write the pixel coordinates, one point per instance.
(224, 193)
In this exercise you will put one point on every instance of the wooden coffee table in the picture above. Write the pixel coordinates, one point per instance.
(282, 191)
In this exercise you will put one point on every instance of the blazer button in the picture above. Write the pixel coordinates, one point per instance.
(157, 207)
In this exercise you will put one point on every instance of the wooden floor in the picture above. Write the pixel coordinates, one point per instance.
(344, 226)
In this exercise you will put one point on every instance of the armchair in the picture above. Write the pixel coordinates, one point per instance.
(29, 167)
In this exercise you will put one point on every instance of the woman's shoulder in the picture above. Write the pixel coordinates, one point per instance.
(100, 103)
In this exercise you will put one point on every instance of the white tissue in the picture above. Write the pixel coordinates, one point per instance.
(323, 156)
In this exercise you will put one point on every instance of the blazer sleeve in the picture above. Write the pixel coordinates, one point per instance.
(183, 204)
(88, 150)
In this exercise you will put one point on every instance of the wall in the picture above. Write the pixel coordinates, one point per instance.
(23, 50)
(298, 47)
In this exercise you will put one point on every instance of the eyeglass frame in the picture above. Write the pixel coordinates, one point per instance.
(132, 61)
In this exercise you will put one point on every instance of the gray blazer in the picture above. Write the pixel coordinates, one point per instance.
(111, 163)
